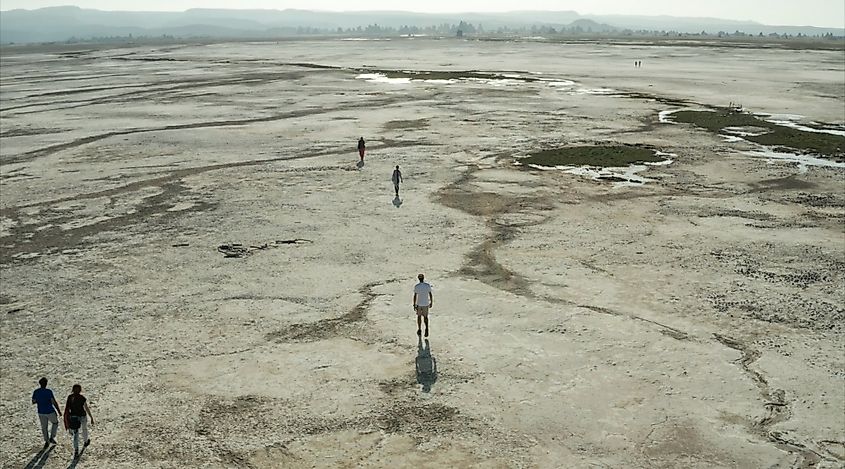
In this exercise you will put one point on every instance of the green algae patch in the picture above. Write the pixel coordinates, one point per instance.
(406, 124)
(608, 156)
(823, 144)
(451, 75)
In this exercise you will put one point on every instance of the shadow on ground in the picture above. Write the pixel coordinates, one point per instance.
(426, 366)
(40, 458)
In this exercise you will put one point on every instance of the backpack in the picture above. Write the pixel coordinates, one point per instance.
(74, 422)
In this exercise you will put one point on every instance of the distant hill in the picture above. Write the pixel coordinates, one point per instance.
(710, 25)
(63, 23)
(590, 26)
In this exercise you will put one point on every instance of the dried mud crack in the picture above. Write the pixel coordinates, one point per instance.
(46, 151)
(330, 327)
(219, 420)
(777, 406)
(49, 237)
(481, 263)
(669, 331)
(46, 237)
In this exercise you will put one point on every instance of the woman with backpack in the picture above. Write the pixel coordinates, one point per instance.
(76, 418)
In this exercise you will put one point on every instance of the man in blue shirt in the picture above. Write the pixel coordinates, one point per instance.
(46, 402)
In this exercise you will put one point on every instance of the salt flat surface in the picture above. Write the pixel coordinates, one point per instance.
(693, 320)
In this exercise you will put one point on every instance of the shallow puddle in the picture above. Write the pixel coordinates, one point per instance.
(803, 161)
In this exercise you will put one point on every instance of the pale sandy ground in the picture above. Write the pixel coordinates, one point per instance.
(695, 321)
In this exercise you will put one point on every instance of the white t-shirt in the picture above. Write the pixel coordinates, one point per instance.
(422, 290)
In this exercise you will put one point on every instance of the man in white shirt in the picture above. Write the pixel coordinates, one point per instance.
(423, 301)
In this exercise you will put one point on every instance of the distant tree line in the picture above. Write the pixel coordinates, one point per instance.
(465, 29)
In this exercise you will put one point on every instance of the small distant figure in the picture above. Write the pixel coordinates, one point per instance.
(76, 418)
(397, 178)
(48, 411)
(361, 148)
(423, 301)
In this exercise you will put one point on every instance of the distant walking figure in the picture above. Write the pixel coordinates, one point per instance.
(423, 301)
(76, 418)
(48, 411)
(361, 148)
(397, 178)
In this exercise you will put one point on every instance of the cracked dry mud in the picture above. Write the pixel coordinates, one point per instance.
(695, 320)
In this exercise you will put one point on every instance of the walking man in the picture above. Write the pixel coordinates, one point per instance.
(361, 148)
(397, 178)
(77, 413)
(423, 301)
(48, 411)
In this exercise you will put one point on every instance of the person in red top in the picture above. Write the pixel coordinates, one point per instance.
(76, 416)
(361, 148)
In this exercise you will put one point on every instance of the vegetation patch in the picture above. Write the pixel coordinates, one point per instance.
(450, 75)
(406, 124)
(823, 144)
(608, 156)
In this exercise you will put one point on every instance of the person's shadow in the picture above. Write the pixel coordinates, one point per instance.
(359, 164)
(426, 366)
(397, 202)
(40, 458)
(76, 459)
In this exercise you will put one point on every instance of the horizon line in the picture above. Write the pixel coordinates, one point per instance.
(746, 21)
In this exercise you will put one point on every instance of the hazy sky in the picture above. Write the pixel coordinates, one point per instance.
(829, 13)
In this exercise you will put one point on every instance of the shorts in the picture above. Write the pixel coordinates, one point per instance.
(422, 311)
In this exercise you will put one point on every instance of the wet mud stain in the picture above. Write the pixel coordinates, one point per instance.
(788, 183)
(481, 263)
